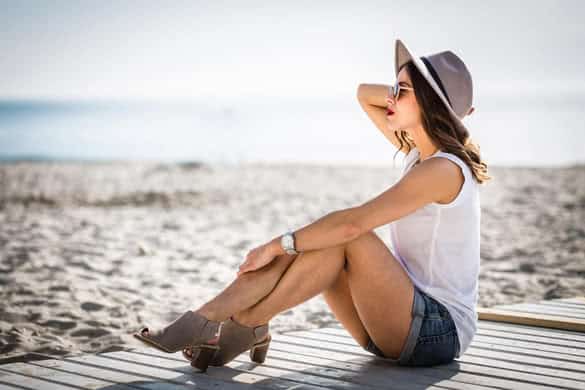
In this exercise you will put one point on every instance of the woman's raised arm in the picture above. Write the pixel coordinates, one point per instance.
(372, 99)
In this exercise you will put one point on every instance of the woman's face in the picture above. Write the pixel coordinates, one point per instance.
(407, 115)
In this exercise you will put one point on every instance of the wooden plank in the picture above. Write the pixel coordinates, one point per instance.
(370, 374)
(336, 339)
(564, 305)
(547, 321)
(521, 353)
(544, 369)
(366, 364)
(8, 386)
(576, 300)
(504, 326)
(293, 337)
(515, 329)
(528, 346)
(185, 376)
(543, 309)
(561, 307)
(71, 374)
(502, 345)
(264, 375)
(358, 375)
(372, 369)
(34, 377)
(116, 376)
(568, 302)
(178, 370)
(297, 357)
(548, 366)
(571, 346)
(456, 370)
(364, 373)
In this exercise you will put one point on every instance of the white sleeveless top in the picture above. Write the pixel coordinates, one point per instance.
(438, 246)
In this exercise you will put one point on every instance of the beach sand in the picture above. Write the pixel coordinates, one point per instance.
(89, 252)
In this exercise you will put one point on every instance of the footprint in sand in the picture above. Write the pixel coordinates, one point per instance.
(90, 332)
(91, 306)
(57, 324)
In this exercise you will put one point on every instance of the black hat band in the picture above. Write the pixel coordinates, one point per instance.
(436, 77)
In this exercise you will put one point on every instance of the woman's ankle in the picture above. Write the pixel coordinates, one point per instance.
(209, 314)
(242, 318)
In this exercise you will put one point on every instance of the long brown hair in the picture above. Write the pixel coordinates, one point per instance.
(441, 128)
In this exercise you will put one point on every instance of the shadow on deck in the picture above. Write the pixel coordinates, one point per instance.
(522, 346)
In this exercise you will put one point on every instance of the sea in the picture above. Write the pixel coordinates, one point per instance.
(511, 130)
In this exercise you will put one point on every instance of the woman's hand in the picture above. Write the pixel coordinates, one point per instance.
(258, 258)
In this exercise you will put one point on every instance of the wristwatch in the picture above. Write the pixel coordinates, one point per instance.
(287, 241)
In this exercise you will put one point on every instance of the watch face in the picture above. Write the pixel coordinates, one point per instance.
(288, 242)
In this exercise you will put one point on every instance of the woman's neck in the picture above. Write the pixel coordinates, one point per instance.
(425, 151)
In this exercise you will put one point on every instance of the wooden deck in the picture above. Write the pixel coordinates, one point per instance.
(541, 347)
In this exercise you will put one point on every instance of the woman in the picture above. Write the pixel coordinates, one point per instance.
(413, 304)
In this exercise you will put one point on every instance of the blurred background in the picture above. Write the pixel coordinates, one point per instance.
(274, 81)
(147, 146)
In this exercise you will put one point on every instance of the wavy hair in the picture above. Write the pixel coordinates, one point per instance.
(441, 128)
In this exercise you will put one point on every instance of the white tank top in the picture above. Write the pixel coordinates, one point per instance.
(438, 246)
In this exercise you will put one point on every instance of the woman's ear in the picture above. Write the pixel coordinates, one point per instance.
(470, 110)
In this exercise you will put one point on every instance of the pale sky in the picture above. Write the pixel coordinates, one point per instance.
(140, 49)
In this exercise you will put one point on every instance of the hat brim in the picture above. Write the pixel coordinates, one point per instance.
(402, 55)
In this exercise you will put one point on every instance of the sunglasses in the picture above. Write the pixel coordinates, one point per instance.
(394, 90)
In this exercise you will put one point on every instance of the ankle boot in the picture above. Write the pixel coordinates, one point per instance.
(234, 339)
(191, 330)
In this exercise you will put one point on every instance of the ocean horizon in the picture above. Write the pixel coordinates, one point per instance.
(511, 131)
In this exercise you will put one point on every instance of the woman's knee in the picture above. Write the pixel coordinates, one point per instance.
(270, 273)
(358, 243)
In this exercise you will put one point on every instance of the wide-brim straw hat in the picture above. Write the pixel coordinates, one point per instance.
(447, 74)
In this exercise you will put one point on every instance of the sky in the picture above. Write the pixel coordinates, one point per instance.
(222, 49)
(280, 75)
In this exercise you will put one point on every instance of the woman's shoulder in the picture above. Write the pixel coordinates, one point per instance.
(450, 177)
(456, 159)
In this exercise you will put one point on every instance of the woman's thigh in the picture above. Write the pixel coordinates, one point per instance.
(364, 306)
(436, 341)
(382, 293)
(338, 298)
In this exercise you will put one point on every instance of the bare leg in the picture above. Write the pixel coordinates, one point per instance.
(311, 273)
(380, 290)
(246, 290)
(338, 298)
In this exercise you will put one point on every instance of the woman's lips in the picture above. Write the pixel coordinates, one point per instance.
(389, 112)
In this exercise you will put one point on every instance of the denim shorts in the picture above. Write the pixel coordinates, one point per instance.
(432, 338)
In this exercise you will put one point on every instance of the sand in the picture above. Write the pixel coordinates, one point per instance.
(89, 252)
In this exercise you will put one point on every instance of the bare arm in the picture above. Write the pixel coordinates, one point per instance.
(330, 230)
(342, 226)
(372, 99)
(430, 181)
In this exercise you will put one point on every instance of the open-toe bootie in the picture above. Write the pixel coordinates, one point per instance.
(190, 330)
(235, 339)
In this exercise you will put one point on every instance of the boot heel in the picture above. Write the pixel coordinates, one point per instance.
(259, 351)
(204, 357)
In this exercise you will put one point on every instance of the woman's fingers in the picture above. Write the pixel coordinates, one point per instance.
(255, 259)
